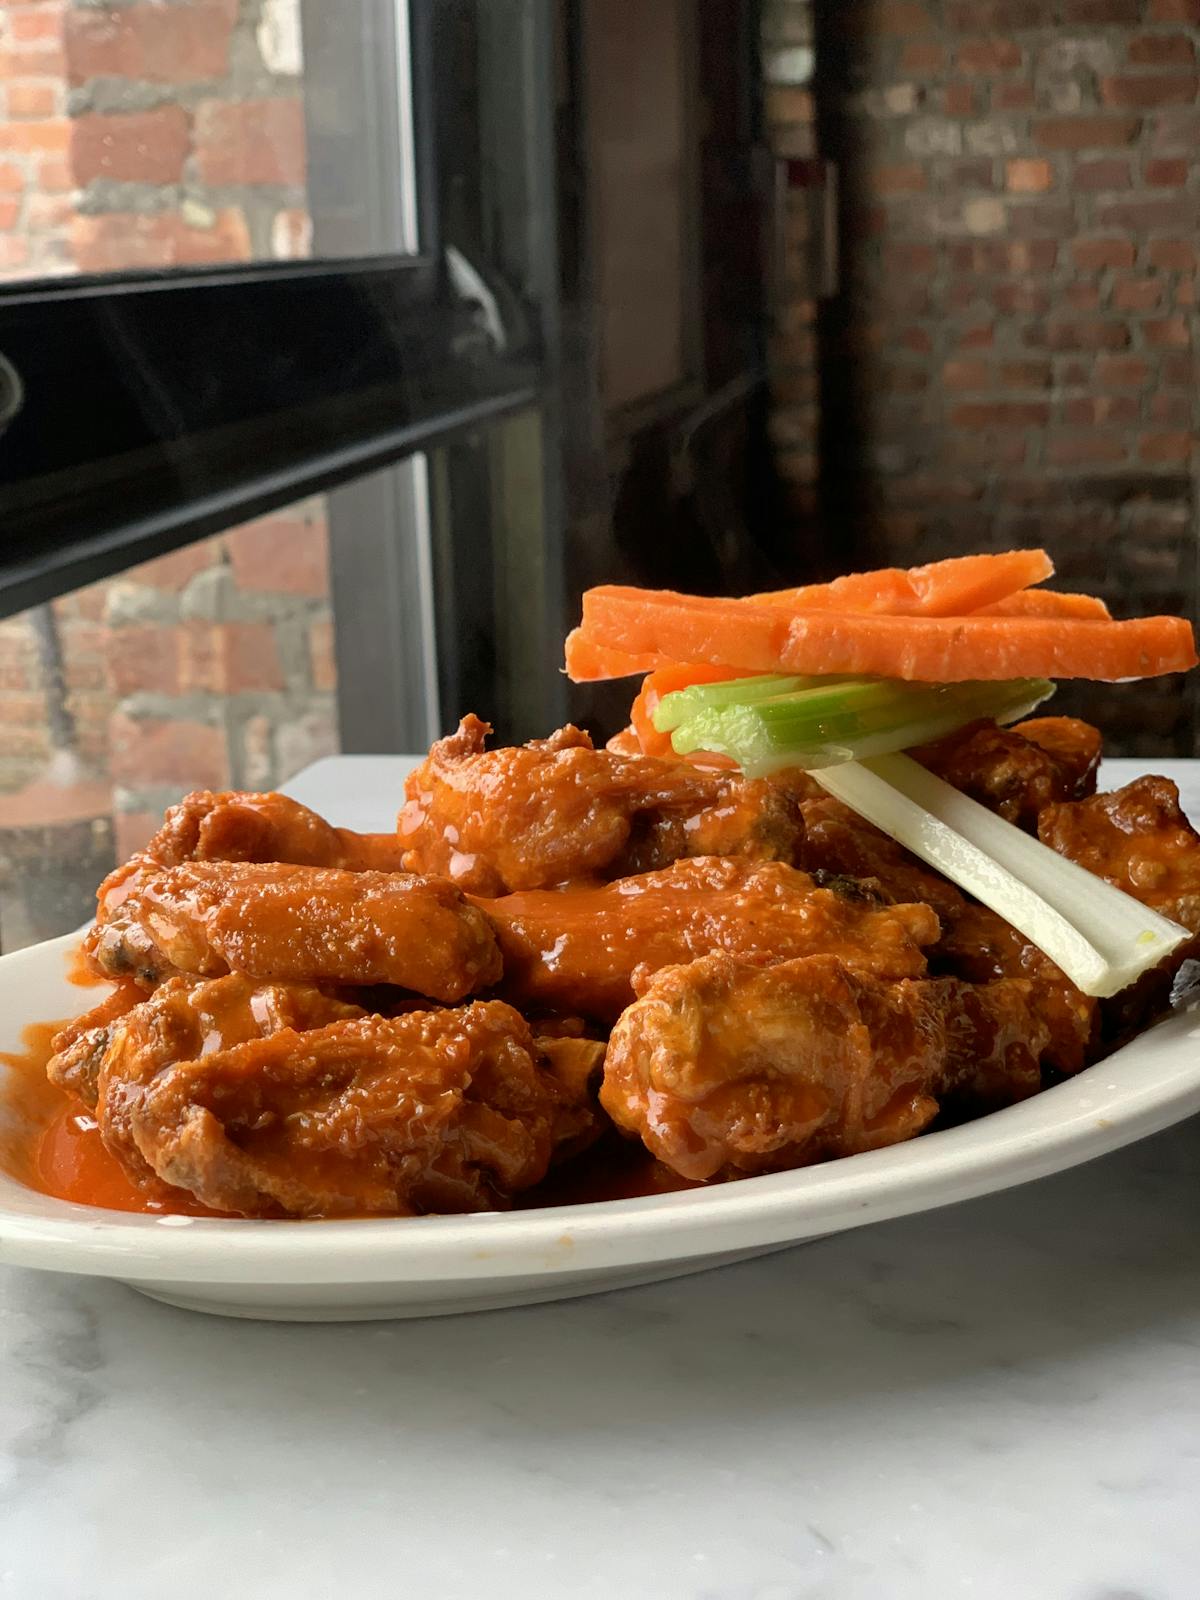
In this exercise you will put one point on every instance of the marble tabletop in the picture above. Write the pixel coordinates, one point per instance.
(999, 1400)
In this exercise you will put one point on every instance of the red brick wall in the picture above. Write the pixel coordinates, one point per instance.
(36, 202)
(211, 667)
(138, 136)
(148, 135)
(1012, 360)
(219, 663)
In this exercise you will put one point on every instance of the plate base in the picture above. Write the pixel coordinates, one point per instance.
(386, 1302)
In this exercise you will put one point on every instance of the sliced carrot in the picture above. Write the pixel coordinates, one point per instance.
(665, 681)
(951, 588)
(957, 649)
(763, 638)
(664, 627)
(954, 587)
(588, 661)
(1048, 603)
(889, 590)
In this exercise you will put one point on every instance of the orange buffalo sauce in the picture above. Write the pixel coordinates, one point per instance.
(56, 1149)
(54, 1146)
(80, 973)
(31, 1100)
(71, 1163)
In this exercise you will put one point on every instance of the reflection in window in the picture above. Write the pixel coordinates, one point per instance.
(212, 667)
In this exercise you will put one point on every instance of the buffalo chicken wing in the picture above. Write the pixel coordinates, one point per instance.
(290, 924)
(266, 827)
(180, 1019)
(498, 821)
(1016, 771)
(445, 1111)
(1137, 838)
(577, 949)
(725, 1069)
(975, 945)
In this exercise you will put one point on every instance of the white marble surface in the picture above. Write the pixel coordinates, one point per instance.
(1000, 1399)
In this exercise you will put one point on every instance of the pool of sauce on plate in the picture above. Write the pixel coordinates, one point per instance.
(54, 1146)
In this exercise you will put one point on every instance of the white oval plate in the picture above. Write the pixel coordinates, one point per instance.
(335, 1271)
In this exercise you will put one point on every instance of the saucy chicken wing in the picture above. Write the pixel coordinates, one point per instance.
(975, 945)
(1137, 838)
(183, 1021)
(78, 1047)
(979, 947)
(577, 949)
(838, 841)
(724, 1069)
(289, 924)
(432, 1111)
(1016, 771)
(265, 827)
(498, 821)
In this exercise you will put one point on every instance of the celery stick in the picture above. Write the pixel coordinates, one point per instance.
(1103, 939)
(676, 707)
(823, 726)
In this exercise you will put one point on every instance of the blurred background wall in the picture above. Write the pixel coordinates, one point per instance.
(1011, 357)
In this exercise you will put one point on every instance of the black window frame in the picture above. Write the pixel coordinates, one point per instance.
(141, 430)
(158, 408)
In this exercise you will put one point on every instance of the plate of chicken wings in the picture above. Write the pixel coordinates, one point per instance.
(584, 1018)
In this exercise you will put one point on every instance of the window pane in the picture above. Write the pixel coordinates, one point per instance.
(150, 135)
(211, 668)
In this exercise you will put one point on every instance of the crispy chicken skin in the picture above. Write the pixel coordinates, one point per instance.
(577, 949)
(498, 821)
(238, 826)
(1017, 771)
(838, 841)
(724, 1069)
(1139, 839)
(289, 924)
(432, 1111)
(975, 945)
(1077, 746)
(184, 1021)
(78, 1048)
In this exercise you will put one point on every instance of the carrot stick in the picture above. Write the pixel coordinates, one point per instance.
(1049, 603)
(588, 661)
(670, 627)
(956, 649)
(951, 588)
(764, 638)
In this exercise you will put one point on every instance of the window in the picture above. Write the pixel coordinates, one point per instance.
(314, 403)
(212, 667)
(146, 409)
(270, 339)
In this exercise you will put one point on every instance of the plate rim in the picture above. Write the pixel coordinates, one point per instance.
(1109, 1105)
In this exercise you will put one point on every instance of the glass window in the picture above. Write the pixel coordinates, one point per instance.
(213, 667)
(141, 136)
(148, 135)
